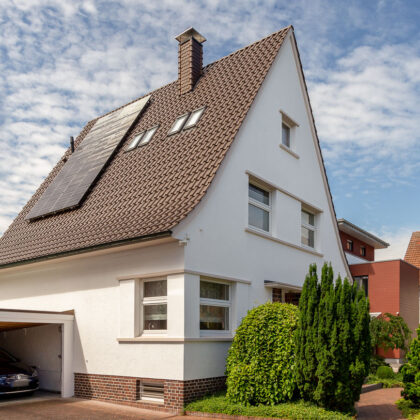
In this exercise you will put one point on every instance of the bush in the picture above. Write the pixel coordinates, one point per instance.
(375, 362)
(385, 372)
(333, 347)
(411, 373)
(260, 366)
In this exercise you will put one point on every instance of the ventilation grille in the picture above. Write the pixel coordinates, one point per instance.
(151, 391)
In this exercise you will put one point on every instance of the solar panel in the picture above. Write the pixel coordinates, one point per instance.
(83, 167)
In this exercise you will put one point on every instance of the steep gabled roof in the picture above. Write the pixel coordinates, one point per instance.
(149, 190)
(412, 255)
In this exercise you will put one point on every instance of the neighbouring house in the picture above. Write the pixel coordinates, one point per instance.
(392, 286)
(126, 274)
(412, 254)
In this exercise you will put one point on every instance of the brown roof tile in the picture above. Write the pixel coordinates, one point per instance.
(149, 190)
(413, 250)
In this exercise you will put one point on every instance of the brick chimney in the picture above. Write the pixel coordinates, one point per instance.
(190, 59)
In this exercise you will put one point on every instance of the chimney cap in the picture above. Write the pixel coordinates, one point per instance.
(188, 34)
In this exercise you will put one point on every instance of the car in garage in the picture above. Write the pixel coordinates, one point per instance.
(16, 377)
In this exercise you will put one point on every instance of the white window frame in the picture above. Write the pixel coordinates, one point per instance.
(292, 124)
(256, 203)
(149, 301)
(219, 303)
(188, 123)
(290, 135)
(184, 118)
(313, 227)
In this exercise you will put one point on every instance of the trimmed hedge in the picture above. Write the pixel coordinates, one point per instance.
(385, 372)
(260, 366)
(411, 373)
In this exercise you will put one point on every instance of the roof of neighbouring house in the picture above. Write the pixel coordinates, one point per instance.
(358, 233)
(413, 250)
(149, 190)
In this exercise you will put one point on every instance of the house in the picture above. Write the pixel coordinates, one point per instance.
(163, 223)
(392, 286)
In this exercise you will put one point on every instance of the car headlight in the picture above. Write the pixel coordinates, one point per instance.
(34, 373)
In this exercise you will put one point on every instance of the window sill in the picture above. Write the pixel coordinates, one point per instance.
(280, 241)
(289, 150)
(172, 339)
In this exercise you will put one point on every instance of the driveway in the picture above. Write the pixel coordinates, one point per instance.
(73, 408)
(379, 405)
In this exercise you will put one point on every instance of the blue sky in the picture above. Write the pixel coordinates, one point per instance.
(63, 63)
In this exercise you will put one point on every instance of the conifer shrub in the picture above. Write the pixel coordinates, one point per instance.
(333, 346)
(411, 373)
(260, 366)
(385, 372)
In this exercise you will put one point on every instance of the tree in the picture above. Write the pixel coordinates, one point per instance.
(337, 341)
(260, 366)
(411, 373)
(389, 331)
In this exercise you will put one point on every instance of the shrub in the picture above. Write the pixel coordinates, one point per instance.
(385, 372)
(375, 362)
(332, 341)
(411, 373)
(260, 366)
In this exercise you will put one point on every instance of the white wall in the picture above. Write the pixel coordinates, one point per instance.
(89, 285)
(40, 347)
(218, 242)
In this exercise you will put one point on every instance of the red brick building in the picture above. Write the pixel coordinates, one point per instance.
(392, 286)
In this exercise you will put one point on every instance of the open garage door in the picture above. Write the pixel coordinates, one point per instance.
(44, 340)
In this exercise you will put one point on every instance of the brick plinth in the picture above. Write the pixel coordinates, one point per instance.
(125, 390)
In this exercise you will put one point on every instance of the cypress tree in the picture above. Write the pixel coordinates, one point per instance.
(306, 334)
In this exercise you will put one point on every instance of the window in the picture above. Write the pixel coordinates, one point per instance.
(285, 134)
(214, 306)
(150, 391)
(349, 245)
(308, 228)
(178, 124)
(363, 251)
(258, 208)
(362, 281)
(155, 308)
(194, 117)
(142, 138)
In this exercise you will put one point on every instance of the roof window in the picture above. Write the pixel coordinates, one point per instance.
(178, 124)
(194, 117)
(142, 138)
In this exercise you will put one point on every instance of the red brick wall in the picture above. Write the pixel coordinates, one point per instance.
(393, 288)
(124, 390)
(370, 251)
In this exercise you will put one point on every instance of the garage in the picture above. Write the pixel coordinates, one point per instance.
(43, 339)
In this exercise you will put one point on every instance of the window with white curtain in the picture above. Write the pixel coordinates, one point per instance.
(215, 304)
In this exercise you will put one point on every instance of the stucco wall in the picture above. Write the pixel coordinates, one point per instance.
(89, 285)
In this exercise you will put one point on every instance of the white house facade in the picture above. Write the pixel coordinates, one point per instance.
(148, 320)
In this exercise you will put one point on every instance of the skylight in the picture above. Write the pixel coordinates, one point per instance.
(178, 124)
(143, 138)
(194, 117)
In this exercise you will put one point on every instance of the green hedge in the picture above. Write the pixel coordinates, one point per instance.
(411, 373)
(385, 372)
(260, 366)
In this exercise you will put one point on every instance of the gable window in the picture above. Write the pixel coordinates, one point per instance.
(178, 124)
(258, 207)
(363, 251)
(142, 138)
(349, 245)
(285, 135)
(194, 118)
(307, 228)
(214, 306)
(155, 305)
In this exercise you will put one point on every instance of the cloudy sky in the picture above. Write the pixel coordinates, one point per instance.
(62, 63)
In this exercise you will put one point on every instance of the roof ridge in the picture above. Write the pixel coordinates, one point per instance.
(285, 29)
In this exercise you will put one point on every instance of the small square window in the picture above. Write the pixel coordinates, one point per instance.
(349, 245)
(178, 124)
(285, 135)
(194, 117)
(363, 251)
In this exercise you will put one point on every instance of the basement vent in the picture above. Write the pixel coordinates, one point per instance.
(151, 391)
